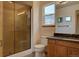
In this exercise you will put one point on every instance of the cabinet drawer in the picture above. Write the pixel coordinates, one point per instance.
(67, 43)
(51, 41)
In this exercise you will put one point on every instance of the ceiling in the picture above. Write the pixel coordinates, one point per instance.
(25, 2)
(66, 4)
(58, 5)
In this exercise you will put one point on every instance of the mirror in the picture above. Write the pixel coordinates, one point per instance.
(59, 20)
(67, 18)
(67, 15)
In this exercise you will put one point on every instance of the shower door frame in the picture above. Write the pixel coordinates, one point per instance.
(29, 51)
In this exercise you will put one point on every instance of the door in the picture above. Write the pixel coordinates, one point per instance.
(77, 22)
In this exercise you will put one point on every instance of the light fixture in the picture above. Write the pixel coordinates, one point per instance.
(10, 1)
(61, 2)
(21, 13)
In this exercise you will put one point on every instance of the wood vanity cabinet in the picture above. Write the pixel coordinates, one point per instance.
(61, 48)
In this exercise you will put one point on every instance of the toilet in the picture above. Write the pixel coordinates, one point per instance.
(39, 48)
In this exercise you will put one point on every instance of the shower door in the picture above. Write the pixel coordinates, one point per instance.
(16, 28)
(22, 28)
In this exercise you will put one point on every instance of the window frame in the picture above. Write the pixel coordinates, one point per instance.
(43, 14)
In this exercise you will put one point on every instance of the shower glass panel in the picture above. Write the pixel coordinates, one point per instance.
(8, 28)
(22, 28)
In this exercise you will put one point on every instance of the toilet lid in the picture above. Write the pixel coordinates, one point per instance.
(39, 46)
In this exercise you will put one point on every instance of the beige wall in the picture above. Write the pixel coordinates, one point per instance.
(36, 33)
(38, 29)
(45, 31)
(69, 11)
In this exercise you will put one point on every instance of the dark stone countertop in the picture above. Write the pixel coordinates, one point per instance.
(64, 38)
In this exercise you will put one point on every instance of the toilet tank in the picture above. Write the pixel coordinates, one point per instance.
(44, 40)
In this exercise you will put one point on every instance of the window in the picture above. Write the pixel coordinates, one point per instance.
(49, 15)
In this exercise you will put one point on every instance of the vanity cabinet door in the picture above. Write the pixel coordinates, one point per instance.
(51, 51)
(51, 48)
(61, 51)
(73, 52)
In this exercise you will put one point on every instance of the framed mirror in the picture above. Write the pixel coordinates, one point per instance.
(59, 20)
(68, 18)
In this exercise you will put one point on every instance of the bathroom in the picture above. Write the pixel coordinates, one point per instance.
(20, 20)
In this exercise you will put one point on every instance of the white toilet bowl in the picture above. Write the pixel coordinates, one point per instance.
(39, 50)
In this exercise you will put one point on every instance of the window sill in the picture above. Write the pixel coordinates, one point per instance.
(48, 25)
